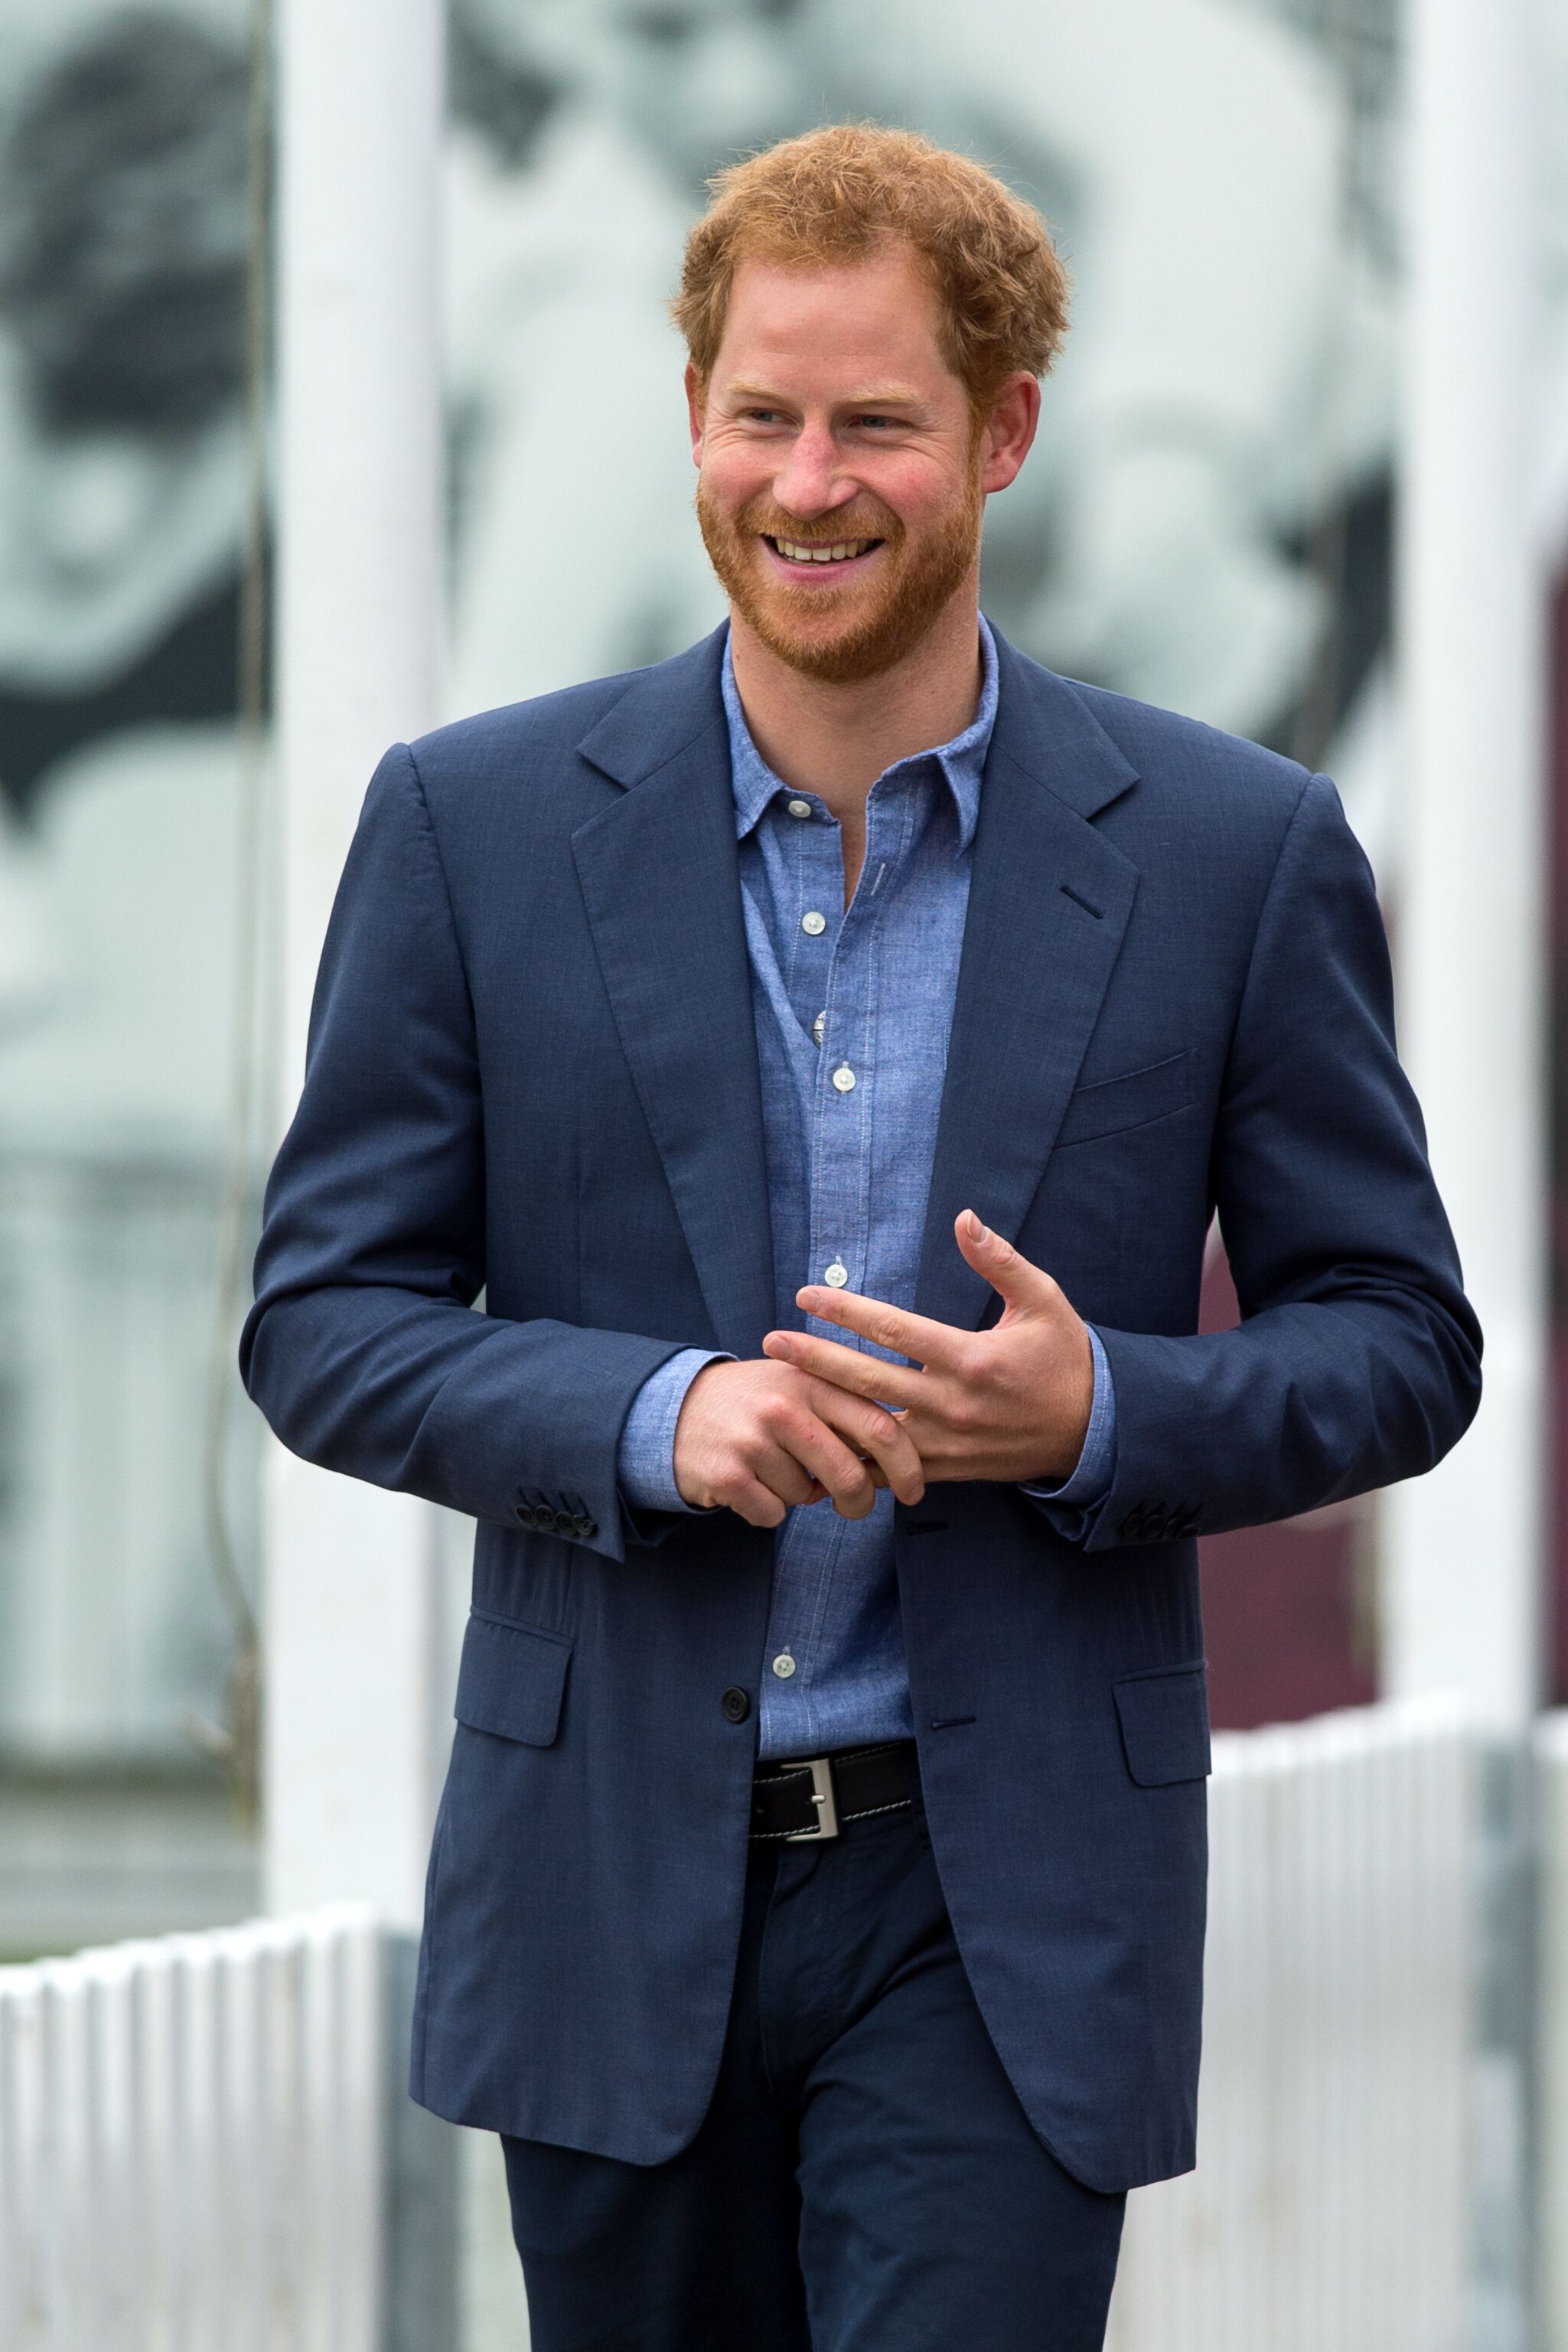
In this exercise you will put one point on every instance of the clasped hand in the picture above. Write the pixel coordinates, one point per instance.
(816, 1420)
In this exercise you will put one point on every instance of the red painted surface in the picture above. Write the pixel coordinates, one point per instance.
(1557, 1427)
(1288, 1610)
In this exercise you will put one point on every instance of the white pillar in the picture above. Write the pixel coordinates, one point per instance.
(354, 1591)
(1465, 1545)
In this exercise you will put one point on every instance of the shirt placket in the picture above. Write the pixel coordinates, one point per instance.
(839, 1141)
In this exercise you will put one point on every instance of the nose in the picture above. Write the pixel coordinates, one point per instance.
(811, 482)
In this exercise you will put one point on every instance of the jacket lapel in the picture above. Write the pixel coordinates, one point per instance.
(661, 882)
(1049, 901)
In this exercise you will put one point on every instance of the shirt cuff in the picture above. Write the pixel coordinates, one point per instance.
(1096, 1466)
(645, 1459)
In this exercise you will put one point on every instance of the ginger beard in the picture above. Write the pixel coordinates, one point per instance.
(869, 625)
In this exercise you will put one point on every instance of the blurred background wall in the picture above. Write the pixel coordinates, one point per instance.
(1208, 522)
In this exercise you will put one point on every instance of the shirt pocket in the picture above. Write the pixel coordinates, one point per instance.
(1165, 1723)
(512, 1680)
(1112, 1105)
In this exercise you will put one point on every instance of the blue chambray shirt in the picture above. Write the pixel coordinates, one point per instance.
(852, 1010)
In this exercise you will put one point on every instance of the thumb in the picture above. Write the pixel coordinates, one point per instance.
(1021, 1285)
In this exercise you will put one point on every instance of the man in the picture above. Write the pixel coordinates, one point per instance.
(827, 1050)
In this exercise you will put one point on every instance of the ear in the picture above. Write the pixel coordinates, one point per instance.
(1009, 432)
(696, 410)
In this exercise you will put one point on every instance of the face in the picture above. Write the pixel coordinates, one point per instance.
(841, 473)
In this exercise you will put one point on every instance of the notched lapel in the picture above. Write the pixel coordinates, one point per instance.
(1049, 902)
(660, 881)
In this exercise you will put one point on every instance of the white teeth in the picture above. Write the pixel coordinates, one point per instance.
(794, 553)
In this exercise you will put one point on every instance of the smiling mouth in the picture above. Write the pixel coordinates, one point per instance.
(840, 550)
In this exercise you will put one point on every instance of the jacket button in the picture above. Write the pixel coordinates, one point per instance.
(736, 1703)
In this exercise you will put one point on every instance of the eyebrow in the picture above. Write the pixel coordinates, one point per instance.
(885, 396)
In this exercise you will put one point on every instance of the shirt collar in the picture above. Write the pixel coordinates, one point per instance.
(960, 761)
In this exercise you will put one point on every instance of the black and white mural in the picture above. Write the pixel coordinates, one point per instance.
(1207, 523)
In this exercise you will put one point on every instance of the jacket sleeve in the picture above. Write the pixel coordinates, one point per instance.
(362, 1348)
(1357, 1359)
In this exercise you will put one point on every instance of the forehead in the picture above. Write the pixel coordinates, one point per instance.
(874, 319)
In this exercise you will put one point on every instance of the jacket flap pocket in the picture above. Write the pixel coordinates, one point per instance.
(1133, 1100)
(1165, 1724)
(511, 1680)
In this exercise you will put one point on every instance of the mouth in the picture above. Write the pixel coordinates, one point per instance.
(820, 561)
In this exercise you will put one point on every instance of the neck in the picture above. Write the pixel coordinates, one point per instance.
(835, 739)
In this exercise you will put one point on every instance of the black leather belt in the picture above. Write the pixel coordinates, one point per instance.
(815, 1796)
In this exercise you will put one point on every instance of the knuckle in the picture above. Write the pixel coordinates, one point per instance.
(799, 1425)
(780, 1415)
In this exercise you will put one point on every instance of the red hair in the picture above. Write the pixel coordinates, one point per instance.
(837, 194)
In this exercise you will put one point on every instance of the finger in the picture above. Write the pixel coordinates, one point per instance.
(1009, 1273)
(787, 1478)
(821, 1450)
(777, 1475)
(894, 1460)
(846, 1368)
(936, 1344)
(757, 1505)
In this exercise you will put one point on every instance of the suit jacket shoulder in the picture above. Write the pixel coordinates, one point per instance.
(525, 742)
(1196, 775)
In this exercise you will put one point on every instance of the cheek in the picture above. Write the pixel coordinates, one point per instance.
(922, 495)
(730, 475)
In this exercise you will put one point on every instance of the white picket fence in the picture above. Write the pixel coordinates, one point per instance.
(198, 2136)
(1550, 2204)
(1331, 2211)
(191, 2142)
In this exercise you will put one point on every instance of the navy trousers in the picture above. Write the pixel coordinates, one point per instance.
(865, 2180)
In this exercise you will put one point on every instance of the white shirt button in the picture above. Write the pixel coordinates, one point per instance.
(844, 1078)
(799, 808)
(783, 1666)
(817, 1026)
(837, 1274)
(813, 924)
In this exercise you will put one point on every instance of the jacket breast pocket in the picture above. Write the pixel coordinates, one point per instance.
(1165, 1724)
(1111, 1106)
(512, 1680)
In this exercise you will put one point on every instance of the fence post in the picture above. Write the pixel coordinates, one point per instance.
(421, 2300)
(1502, 2104)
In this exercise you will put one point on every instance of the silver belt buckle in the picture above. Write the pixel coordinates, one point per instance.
(827, 1822)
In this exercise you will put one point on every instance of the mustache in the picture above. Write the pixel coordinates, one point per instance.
(870, 521)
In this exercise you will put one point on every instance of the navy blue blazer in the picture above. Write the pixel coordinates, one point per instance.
(533, 1071)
